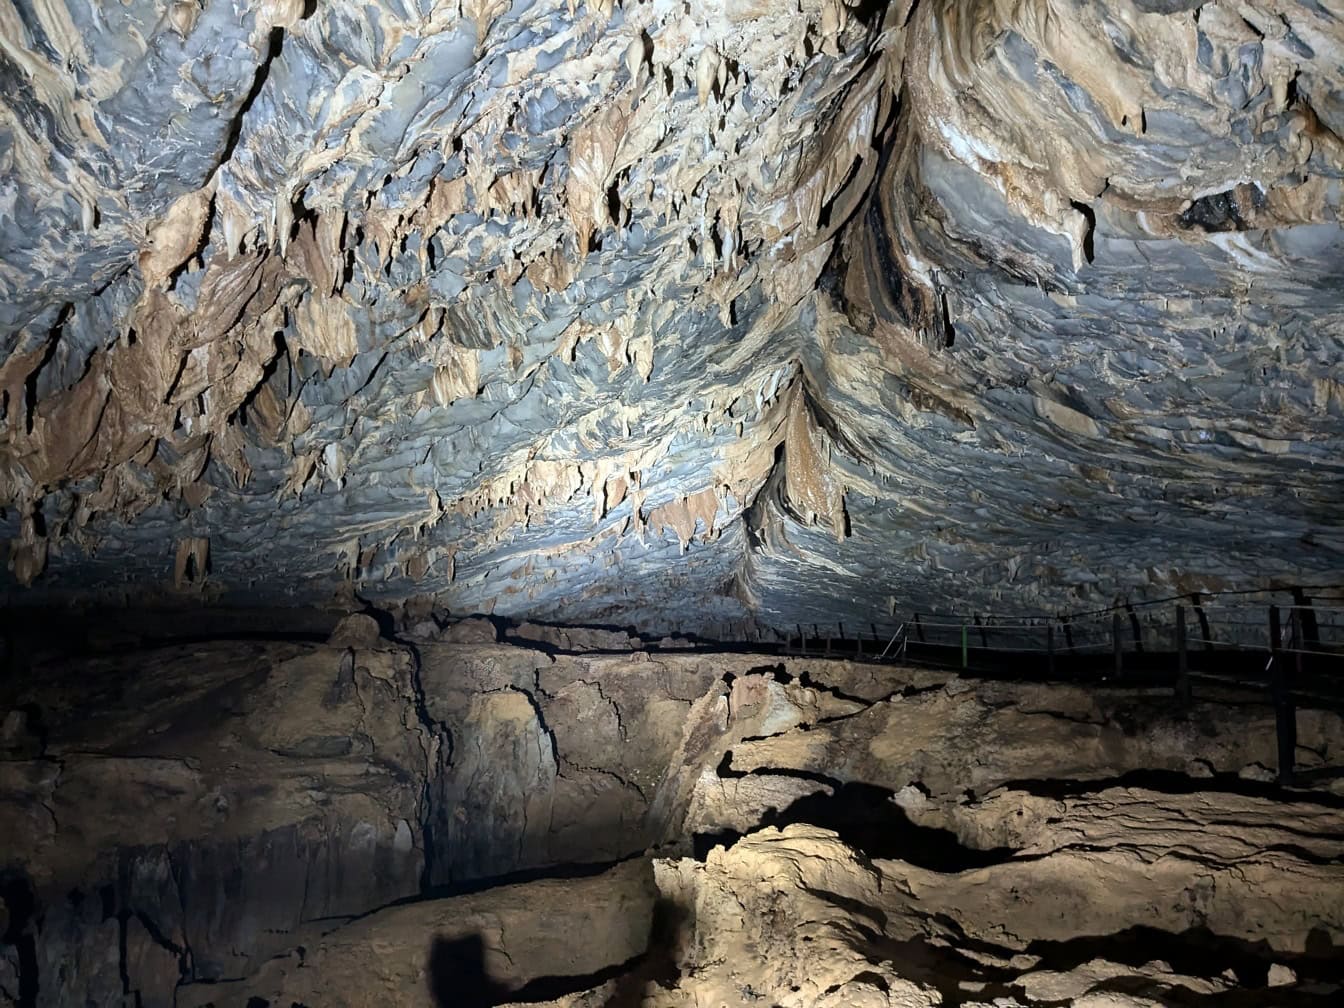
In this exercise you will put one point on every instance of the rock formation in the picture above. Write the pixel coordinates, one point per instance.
(400, 402)
(670, 315)
(325, 824)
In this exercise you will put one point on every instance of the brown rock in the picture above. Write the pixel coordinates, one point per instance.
(477, 630)
(467, 951)
(356, 630)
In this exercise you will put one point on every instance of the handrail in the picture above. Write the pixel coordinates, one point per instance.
(901, 633)
(1205, 600)
(1296, 646)
(1222, 626)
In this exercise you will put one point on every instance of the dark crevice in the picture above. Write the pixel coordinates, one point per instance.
(122, 967)
(467, 887)
(1171, 782)
(805, 679)
(1196, 952)
(275, 42)
(197, 252)
(16, 892)
(824, 217)
(866, 818)
(1222, 211)
(945, 316)
(268, 371)
(435, 730)
(1090, 216)
(373, 371)
(30, 383)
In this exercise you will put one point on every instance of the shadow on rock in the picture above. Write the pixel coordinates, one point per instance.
(667, 935)
(458, 977)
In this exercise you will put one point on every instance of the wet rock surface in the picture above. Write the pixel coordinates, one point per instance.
(310, 823)
(679, 316)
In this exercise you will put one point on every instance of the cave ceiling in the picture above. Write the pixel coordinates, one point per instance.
(671, 313)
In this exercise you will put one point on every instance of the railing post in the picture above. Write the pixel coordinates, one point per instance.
(1050, 648)
(1118, 644)
(1182, 660)
(919, 628)
(1204, 632)
(1285, 713)
(802, 640)
(965, 647)
(900, 651)
(1136, 626)
(1308, 627)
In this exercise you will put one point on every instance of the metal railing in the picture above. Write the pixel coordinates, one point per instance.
(1253, 640)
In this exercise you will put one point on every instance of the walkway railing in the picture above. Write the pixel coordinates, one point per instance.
(1293, 650)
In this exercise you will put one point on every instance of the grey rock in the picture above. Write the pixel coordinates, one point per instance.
(659, 316)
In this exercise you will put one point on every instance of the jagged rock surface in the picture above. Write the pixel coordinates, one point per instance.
(797, 917)
(178, 817)
(671, 314)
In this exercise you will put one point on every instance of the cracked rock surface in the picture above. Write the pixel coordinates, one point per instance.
(214, 822)
(797, 917)
(670, 315)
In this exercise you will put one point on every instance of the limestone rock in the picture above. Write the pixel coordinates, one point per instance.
(355, 630)
(1281, 976)
(693, 317)
(243, 811)
(470, 631)
(1256, 772)
(224, 796)
(460, 951)
(575, 638)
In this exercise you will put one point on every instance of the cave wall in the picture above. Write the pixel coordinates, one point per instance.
(178, 816)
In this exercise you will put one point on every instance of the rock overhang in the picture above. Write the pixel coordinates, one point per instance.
(673, 315)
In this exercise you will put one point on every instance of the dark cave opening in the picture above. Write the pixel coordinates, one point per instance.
(866, 818)
(21, 924)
